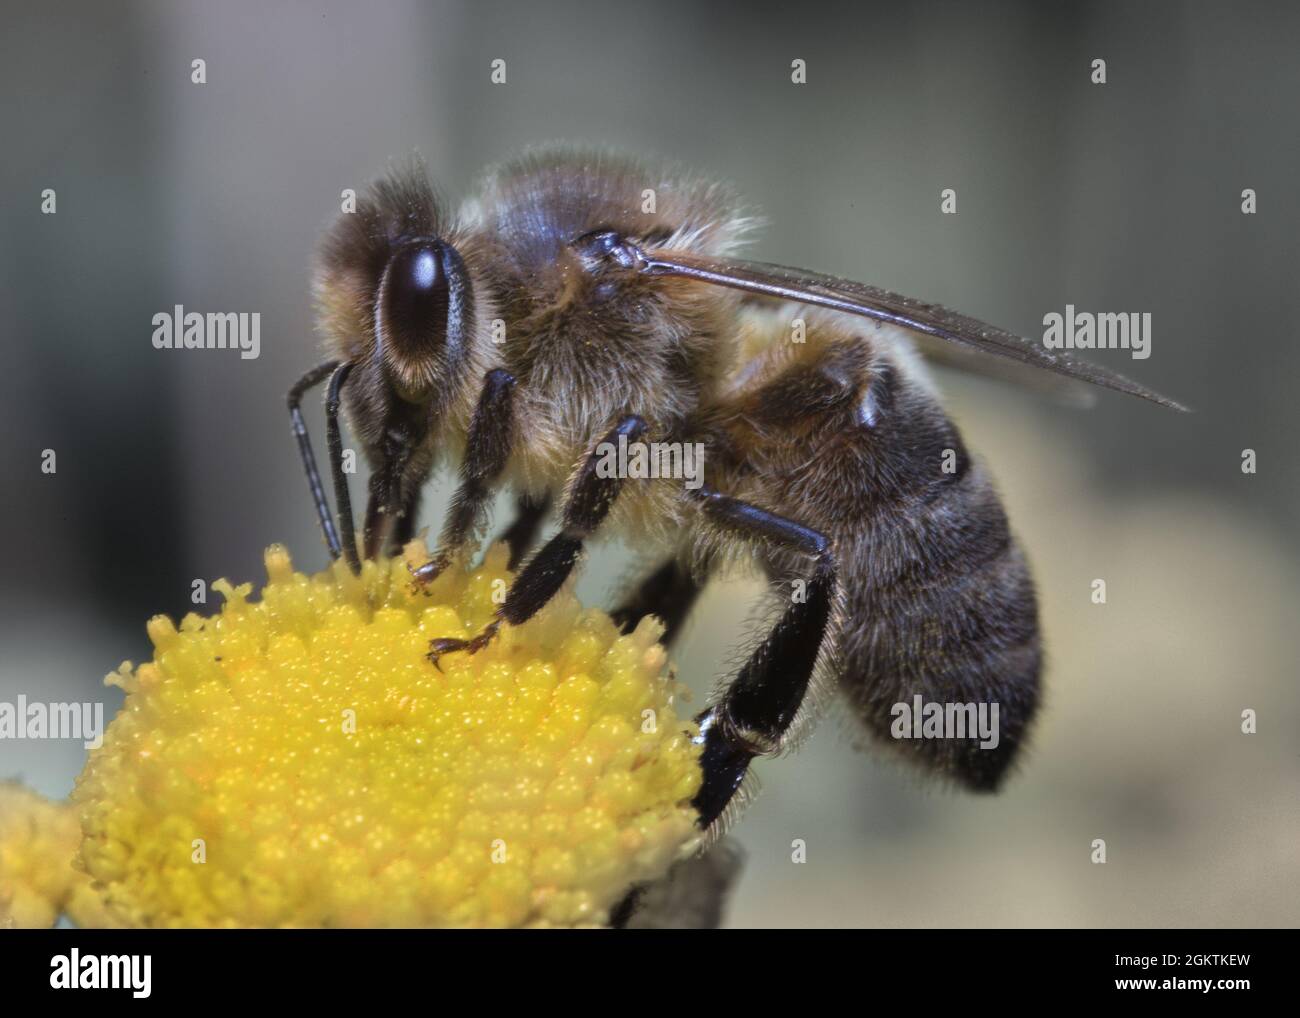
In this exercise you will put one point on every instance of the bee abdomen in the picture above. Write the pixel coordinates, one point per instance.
(941, 647)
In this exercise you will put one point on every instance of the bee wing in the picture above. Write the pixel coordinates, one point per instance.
(1059, 388)
(947, 329)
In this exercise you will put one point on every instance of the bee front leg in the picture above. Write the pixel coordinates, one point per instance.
(491, 433)
(404, 525)
(334, 441)
(310, 380)
(591, 498)
(756, 710)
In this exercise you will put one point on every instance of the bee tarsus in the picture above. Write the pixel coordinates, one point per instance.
(452, 644)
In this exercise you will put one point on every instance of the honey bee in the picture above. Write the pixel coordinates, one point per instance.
(582, 301)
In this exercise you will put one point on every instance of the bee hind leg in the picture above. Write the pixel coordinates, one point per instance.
(756, 710)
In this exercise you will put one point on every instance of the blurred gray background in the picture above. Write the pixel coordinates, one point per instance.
(1119, 197)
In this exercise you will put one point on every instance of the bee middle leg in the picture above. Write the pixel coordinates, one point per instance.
(589, 503)
(757, 708)
(522, 532)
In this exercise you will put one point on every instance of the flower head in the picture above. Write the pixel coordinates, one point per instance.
(297, 760)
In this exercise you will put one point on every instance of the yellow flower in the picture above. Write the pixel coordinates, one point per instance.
(298, 761)
(38, 840)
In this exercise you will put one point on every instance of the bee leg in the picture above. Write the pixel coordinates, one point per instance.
(310, 380)
(756, 710)
(404, 526)
(374, 529)
(591, 499)
(342, 498)
(589, 503)
(520, 535)
(488, 449)
(385, 529)
(668, 593)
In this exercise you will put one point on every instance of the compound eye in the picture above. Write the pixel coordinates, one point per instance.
(413, 313)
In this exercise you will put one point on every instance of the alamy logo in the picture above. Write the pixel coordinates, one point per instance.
(75, 971)
(921, 720)
(23, 720)
(1082, 330)
(179, 329)
(641, 460)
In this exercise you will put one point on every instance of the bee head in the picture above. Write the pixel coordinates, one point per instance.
(394, 293)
